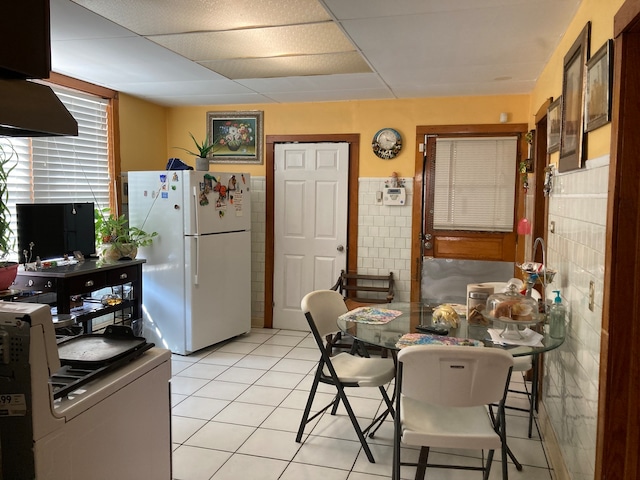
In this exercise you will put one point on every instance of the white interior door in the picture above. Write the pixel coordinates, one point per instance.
(310, 224)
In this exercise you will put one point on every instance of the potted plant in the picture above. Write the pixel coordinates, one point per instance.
(204, 148)
(116, 239)
(8, 269)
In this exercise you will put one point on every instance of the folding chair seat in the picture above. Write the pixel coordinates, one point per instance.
(321, 309)
(444, 396)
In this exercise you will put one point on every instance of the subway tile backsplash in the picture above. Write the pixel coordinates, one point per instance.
(578, 206)
(384, 235)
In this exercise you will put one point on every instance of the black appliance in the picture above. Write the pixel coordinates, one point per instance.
(29, 109)
(55, 229)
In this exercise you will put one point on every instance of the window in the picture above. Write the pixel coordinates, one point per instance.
(474, 186)
(65, 169)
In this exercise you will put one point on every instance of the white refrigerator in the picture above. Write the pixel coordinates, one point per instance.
(196, 282)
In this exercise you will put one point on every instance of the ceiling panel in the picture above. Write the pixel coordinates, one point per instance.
(249, 51)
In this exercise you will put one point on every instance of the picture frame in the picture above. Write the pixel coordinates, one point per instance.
(573, 87)
(237, 136)
(554, 123)
(597, 103)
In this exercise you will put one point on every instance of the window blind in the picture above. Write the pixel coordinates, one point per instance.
(475, 184)
(64, 169)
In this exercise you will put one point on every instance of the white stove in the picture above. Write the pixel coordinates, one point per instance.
(114, 426)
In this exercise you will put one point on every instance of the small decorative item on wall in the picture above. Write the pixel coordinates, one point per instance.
(237, 136)
(573, 79)
(554, 121)
(597, 105)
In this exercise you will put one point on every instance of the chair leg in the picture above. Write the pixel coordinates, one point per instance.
(354, 421)
(307, 408)
(533, 397)
(422, 463)
(487, 468)
(377, 423)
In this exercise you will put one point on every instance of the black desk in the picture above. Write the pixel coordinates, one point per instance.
(62, 282)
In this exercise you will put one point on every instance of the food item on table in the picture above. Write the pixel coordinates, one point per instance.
(446, 314)
(512, 309)
(476, 318)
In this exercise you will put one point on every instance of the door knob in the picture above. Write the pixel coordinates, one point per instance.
(340, 248)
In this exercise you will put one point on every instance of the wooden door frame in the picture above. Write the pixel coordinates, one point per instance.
(618, 436)
(353, 139)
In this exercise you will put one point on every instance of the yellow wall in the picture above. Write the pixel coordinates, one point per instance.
(363, 117)
(143, 134)
(600, 13)
(142, 125)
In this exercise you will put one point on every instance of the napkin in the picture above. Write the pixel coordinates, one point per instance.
(529, 338)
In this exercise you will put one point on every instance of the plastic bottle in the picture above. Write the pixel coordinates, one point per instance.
(557, 314)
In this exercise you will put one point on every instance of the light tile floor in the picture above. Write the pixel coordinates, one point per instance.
(236, 408)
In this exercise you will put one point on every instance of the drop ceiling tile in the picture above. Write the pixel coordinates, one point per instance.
(299, 65)
(212, 99)
(171, 88)
(132, 59)
(332, 95)
(155, 17)
(72, 22)
(352, 81)
(260, 42)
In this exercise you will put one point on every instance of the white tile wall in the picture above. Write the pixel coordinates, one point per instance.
(578, 206)
(258, 230)
(384, 235)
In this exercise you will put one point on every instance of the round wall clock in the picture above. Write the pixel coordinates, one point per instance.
(386, 143)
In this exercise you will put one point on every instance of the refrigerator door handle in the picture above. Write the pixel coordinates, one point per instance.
(196, 262)
(194, 198)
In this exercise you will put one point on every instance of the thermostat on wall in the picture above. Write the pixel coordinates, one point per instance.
(394, 196)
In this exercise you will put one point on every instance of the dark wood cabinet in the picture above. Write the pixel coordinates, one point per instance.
(64, 283)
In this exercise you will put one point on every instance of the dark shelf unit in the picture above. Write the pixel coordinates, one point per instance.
(60, 283)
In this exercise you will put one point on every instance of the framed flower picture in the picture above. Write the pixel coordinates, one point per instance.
(236, 136)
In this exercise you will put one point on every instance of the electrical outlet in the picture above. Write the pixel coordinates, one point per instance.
(592, 295)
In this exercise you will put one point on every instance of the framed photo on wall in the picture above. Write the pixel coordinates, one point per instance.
(597, 104)
(554, 122)
(573, 80)
(237, 136)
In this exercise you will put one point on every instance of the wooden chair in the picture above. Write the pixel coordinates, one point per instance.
(360, 290)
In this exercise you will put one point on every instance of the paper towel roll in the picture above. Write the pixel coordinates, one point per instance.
(477, 294)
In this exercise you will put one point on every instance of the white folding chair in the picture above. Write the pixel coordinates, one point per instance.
(443, 398)
(321, 309)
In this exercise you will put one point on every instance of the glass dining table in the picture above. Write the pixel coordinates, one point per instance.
(416, 314)
(413, 315)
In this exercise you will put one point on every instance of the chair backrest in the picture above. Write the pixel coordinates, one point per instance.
(324, 306)
(365, 289)
(452, 375)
